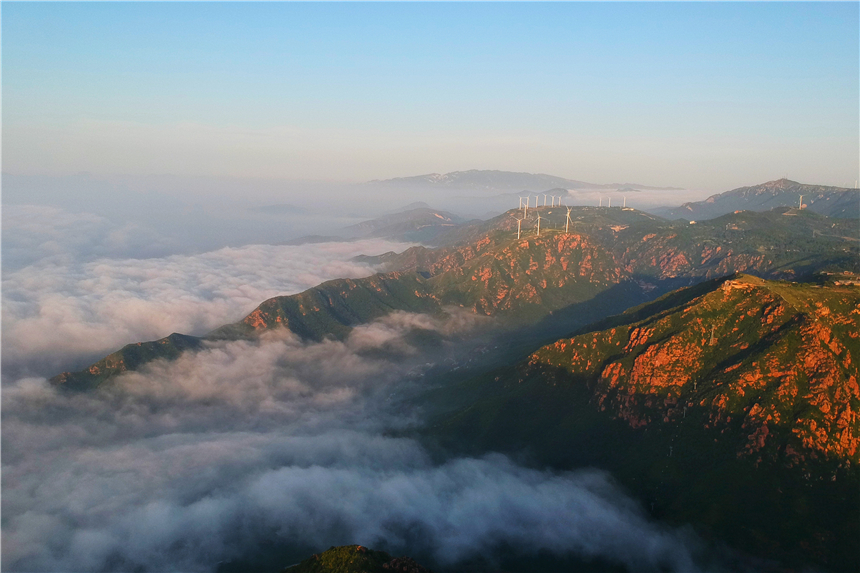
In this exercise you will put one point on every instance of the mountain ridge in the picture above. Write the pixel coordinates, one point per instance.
(491, 272)
(504, 180)
(826, 200)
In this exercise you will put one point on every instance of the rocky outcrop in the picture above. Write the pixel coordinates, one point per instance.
(778, 358)
(355, 559)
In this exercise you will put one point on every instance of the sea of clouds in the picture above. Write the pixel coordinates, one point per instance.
(247, 445)
(76, 287)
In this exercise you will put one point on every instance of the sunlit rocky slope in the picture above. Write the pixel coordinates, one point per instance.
(626, 255)
(732, 405)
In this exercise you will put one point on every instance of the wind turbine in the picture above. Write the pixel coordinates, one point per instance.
(625, 203)
(601, 201)
(519, 223)
(538, 232)
(609, 199)
(567, 223)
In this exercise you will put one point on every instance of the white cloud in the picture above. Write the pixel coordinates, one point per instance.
(188, 463)
(33, 233)
(203, 459)
(64, 308)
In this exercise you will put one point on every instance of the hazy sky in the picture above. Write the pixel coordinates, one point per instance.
(691, 95)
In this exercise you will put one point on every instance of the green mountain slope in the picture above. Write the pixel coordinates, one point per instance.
(129, 357)
(732, 405)
(492, 272)
(332, 308)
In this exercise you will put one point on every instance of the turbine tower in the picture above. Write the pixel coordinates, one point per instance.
(601, 201)
(538, 230)
(801, 202)
(519, 223)
(567, 223)
(609, 202)
(625, 203)
(544, 199)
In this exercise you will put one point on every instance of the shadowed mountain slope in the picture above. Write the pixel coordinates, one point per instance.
(732, 405)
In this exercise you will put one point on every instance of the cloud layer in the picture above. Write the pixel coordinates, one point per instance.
(74, 299)
(246, 446)
(187, 464)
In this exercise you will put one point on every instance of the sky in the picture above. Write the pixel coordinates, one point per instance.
(693, 95)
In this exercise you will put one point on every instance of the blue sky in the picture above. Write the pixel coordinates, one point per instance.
(694, 95)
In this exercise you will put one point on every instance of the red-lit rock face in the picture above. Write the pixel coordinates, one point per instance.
(780, 364)
(493, 278)
(492, 272)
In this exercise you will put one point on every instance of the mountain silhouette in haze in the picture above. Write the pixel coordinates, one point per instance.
(831, 201)
(501, 181)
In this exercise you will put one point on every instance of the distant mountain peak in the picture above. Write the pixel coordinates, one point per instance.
(826, 200)
(781, 183)
(491, 179)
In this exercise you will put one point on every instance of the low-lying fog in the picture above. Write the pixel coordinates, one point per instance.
(245, 446)
(154, 216)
